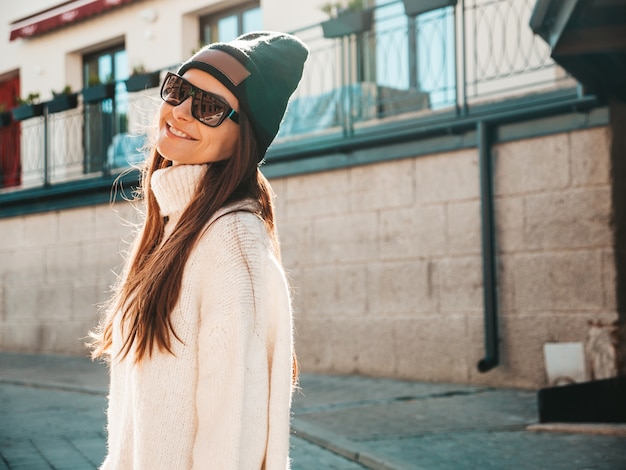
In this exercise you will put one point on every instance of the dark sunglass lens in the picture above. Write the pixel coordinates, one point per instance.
(174, 90)
(206, 107)
(209, 109)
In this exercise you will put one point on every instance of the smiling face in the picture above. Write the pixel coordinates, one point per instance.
(183, 139)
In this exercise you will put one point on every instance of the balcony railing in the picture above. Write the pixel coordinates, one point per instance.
(445, 61)
(91, 140)
(448, 59)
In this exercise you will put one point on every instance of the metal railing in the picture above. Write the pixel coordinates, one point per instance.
(91, 140)
(448, 59)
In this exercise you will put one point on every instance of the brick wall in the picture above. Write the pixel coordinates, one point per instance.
(384, 260)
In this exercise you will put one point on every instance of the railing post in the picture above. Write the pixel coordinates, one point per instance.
(342, 85)
(348, 127)
(109, 138)
(463, 61)
(412, 33)
(46, 157)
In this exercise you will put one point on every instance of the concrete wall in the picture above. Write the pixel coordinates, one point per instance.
(384, 259)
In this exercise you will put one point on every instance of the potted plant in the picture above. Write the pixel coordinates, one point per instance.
(5, 116)
(346, 18)
(97, 90)
(141, 80)
(62, 100)
(29, 107)
(415, 7)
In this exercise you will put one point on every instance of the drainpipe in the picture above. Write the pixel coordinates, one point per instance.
(490, 295)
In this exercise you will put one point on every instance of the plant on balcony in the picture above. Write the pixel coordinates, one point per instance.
(416, 7)
(346, 18)
(97, 90)
(62, 100)
(141, 80)
(5, 116)
(29, 107)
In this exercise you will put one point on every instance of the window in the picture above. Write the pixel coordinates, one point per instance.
(229, 24)
(108, 118)
(414, 58)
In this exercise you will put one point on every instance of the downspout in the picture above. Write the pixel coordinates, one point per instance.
(490, 294)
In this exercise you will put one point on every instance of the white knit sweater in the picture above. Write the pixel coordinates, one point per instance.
(222, 401)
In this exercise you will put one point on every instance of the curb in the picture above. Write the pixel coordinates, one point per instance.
(342, 446)
(63, 387)
(600, 429)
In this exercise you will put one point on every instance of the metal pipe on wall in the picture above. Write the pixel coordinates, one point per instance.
(490, 293)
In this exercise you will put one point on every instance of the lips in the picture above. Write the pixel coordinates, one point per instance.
(178, 133)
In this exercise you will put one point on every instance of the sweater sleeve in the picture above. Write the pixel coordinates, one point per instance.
(243, 394)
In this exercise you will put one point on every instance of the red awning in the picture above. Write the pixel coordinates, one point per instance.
(61, 15)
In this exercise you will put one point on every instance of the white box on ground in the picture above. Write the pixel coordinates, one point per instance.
(565, 363)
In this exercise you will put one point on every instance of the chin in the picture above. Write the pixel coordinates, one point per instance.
(165, 152)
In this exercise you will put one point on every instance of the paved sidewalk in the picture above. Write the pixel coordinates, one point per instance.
(52, 416)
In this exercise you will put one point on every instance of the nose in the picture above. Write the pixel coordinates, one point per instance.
(182, 112)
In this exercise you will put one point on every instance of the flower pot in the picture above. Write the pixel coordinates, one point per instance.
(143, 81)
(62, 103)
(415, 7)
(27, 111)
(5, 119)
(354, 22)
(97, 93)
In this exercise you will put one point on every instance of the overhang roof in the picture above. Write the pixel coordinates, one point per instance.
(588, 39)
(62, 15)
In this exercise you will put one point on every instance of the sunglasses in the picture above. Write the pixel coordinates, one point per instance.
(206, 107)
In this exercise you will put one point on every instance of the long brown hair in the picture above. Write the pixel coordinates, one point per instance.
(149, 290)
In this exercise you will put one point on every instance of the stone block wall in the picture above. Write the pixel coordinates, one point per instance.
(556, 247)
(385, 263)
(56, 269)
(384, 260)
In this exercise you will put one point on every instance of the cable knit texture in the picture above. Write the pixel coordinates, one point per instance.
(222, 400)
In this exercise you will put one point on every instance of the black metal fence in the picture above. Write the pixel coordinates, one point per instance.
(92, 139)
(403, 66)
(447, 59)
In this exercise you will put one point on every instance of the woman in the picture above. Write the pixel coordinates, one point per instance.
(199, 333)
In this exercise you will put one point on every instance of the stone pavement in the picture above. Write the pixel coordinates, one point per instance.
(52, 417)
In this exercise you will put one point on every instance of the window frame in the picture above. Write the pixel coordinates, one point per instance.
(212, 19)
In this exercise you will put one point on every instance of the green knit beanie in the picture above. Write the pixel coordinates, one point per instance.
(262, 69)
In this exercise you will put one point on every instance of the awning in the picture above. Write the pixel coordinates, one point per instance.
(588, 39)
(61, 15)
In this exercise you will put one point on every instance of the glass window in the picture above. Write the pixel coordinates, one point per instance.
(105, 66)
(414, 58)
(228, 24)
(252, 20)
(227, 28)
(103, 120)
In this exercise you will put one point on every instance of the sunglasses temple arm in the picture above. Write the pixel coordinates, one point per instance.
(233, 115)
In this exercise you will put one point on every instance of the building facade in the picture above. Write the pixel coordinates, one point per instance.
(446, 193)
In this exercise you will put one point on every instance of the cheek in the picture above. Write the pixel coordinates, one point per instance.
(223, 143)
(231, 143)
(164, 110)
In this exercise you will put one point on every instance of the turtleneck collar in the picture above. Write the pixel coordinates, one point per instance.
(175, 186)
